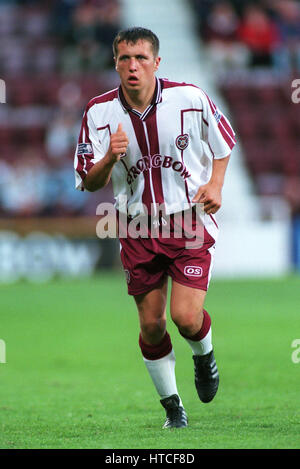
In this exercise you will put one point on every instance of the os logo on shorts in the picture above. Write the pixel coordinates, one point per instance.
(193, 271)
(182, 141)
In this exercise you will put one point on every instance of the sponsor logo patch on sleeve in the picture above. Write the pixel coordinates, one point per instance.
(84, 148)
(217, 115)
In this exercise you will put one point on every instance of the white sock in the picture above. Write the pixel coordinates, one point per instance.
(203, 346)
(162, 372)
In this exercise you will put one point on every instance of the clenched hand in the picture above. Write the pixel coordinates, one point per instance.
(118, 144)
(210, 196)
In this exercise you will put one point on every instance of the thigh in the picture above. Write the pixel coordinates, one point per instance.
(152, 312)
(186, 307)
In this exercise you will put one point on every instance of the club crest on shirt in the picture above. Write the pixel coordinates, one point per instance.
(182, 141)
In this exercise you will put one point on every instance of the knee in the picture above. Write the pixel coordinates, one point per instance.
(153, 330)
(188, 322)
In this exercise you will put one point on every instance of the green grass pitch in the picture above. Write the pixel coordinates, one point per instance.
(74, 376)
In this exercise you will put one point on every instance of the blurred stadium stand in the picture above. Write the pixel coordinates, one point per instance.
(254, 50)
(56, 55)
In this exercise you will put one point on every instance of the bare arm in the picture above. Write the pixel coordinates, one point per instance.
(210, 194)
(99, 175)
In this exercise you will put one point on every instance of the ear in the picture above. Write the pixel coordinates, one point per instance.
(156, 63)
(116, 63)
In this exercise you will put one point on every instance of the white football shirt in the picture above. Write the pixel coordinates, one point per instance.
(171, 148)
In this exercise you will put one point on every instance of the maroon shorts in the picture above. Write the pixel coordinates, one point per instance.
(188, 261)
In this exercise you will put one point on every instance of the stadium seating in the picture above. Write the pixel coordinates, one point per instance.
(267, 126)
(259, 93)
(42, 87)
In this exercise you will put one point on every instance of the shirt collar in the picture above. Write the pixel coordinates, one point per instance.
(157, 97)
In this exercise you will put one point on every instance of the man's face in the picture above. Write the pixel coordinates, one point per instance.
(136, 64)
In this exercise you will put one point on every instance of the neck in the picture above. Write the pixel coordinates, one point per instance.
(139, 99)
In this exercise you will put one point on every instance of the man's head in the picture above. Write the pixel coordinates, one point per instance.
(133, 35)
(136, 59)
